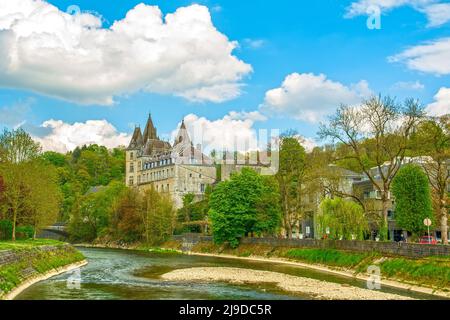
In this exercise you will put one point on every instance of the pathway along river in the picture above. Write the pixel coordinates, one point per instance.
(120, 274)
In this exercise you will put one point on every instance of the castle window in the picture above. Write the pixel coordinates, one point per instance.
(131, 181)
(202, 188)
(131, 167)
(199, 175)
(168, 188)
(131, 155)
(190, 175)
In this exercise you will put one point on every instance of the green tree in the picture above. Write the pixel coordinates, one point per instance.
(432, 142)
(413, 201)
(157, 216)
(375, 136)
(91, 217)
(342, 219)
(126, 222)
(247, 203)
(42, 199)
(291, 180)
(17, 146)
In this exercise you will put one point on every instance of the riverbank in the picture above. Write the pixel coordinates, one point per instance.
(346, 264)
(319, 289)
(429, 275)
(24, 263)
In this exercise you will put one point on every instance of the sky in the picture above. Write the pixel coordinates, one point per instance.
(76, 72)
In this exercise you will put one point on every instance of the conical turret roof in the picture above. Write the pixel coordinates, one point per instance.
(150, 130)
(136, 141)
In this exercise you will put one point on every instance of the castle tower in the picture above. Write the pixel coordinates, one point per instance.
(132, 154)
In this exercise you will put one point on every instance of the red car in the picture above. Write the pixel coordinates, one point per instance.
(428, 240)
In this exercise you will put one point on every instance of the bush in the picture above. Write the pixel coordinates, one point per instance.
(25, 232)
(6, 228)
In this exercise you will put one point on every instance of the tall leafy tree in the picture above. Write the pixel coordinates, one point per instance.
(247, 203)
(376, 137)
(412, 198)
(432, 142)
(291, 179)
(157, 216)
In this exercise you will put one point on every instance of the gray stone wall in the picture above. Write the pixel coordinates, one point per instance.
(410, 250)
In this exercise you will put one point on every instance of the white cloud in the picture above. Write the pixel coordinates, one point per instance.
(233, 132)
(432, 57)
(441, 106)
(437, 13)
(311, 97)
(73, 57)
(63, 137)
(408, 85)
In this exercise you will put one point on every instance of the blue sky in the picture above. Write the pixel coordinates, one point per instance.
(276, 39)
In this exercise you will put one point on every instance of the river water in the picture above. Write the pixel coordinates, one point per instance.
(120, 274)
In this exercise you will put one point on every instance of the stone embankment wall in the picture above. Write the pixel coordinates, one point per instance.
(410, 250)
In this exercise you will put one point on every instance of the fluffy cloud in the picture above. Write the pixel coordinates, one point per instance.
(63, 137)
(432, 57)
(232, 132)
(437, 13)
(312, 97)
(73, 57)
(441, 106)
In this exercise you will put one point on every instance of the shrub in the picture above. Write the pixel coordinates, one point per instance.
(25, 232)
(6, 228)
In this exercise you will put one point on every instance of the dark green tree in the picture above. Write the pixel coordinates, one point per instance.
(248, 203)
(412, 198)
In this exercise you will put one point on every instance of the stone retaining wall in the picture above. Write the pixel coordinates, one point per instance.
(411, 250)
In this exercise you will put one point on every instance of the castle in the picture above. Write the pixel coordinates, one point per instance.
(177, 170)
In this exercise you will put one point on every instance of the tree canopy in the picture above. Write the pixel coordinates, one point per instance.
(412, 199)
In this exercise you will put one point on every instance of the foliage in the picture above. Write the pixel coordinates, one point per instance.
(6, 228)
(429, 271)
(247, 203)
(158, 216)
(17, 146)
(412, 198)
(327, 256)
(25, 232)
(92, 216)
(42, 261)
(192, 217)
(383, 143)
(432, 142)
(126, 222)
(291, 180)
(344, 220)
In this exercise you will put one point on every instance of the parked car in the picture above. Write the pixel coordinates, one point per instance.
(428, 240)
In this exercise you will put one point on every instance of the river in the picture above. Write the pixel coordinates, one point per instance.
(134, 275)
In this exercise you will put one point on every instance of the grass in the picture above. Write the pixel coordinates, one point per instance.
(40, 262)
(429, 271)
(27, 244)
(327, 256)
